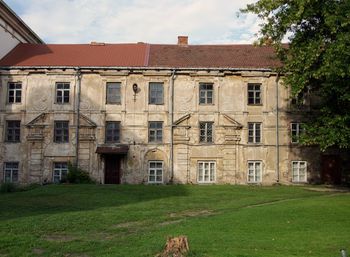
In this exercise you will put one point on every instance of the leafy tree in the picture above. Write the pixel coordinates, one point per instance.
(317, 58)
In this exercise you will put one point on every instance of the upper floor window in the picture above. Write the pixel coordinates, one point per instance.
(206, 132)
(13, 131)
(11, 172)
(156, 93)
(206, 171)
(61, 132)
(14, 92)
(254, 94)
(62, 92)
(296, 130)
(112, 131)
(299, 171)
(60, 171)
(113, 95)
(254, 132)
(299, 100)
(155, 131)
(206, 93)
(254, 171)
(155, 172)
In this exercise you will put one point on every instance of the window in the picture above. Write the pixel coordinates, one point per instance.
(254, 171)
(299, 171)
(14, 92)
(62, 93)
(296, 130)
(155, 131)
(206, 93)
(155, 172)
(206, 132)
(299, 100)
(11, 172)
(254, 94)
(156, 93)
(113, 93)
(112, 131)
(254, 132)
(61, 133)
(60, 171)
(13, 131)
(206, 171)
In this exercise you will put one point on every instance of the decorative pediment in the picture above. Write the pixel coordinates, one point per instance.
(182, 119)
(231, 122)
(38, 121)
(85, 122)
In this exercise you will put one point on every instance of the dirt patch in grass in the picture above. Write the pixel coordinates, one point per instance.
(128, 224)
(191, 213)
(59, 238)
(37, 251)
(329, 189)
(170, 222)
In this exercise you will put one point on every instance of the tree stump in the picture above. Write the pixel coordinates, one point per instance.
(175, 247)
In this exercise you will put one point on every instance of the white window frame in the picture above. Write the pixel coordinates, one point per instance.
(297, 170)
(255, 90)
(14, 178)
(60, 171)
(297, 129)
(253, 172)
(204, 133)
(17, 92)
(62, 91)
(206, 172)
(254, 135)
(154, 171)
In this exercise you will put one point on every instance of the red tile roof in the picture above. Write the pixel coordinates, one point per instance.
(126, 55)
(142, 55)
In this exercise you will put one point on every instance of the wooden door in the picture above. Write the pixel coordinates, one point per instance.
(112, 169)
(331, 173)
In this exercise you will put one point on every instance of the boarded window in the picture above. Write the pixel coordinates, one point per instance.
(156, 93)
(113, 93)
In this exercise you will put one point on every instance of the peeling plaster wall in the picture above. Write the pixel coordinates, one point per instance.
(37, 152)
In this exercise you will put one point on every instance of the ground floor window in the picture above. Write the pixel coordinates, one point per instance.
(155, 172)
(254, 171)
(206, 171)
(11, 172)
(299, 171)
(60, 171)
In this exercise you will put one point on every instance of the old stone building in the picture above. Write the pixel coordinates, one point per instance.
(145, 113)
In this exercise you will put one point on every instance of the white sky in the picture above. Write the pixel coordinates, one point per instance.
(130, 21)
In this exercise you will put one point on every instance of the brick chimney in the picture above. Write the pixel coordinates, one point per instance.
(182, 40)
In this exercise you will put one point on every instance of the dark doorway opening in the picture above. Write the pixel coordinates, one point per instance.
(112, 169)
(331, 169)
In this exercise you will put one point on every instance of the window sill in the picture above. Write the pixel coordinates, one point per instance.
(255, 104)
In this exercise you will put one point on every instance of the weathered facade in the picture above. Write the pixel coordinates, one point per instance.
(169, 113)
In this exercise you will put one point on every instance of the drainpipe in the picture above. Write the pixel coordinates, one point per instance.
(172, 79)
(78, 74)
(277, 132)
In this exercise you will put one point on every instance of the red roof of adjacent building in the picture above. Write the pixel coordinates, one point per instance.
(142, 55)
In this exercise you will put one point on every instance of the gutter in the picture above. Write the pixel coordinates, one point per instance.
(172, 126)
(78, 74)
(277, 132)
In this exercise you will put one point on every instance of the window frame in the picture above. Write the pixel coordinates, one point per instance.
(65, 132)
(16, 129)
(254, 175)
(294, 139)
(203, 88)
(117, 131)
(205, 138)
(254, 91)
(156, 131)
(153, 88)
(211, 175)
(298, 172)
(118, 89)
(59, 169)
(155, 169)
(15, 91)
(11, 170)
(252, 139)
(62, 90)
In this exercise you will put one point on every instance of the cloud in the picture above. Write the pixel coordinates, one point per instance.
(152, 21)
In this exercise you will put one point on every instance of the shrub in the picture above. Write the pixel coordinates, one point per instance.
(8, 187)
(77, 175)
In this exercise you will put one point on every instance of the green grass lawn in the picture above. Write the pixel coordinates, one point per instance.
(125, 220)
